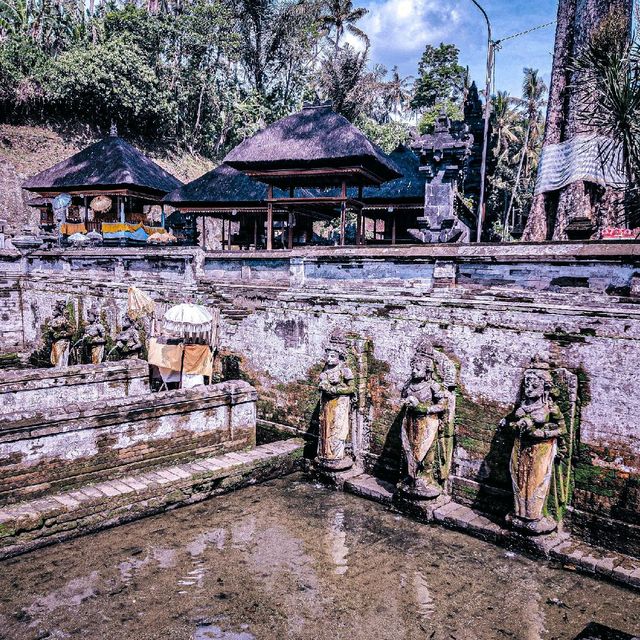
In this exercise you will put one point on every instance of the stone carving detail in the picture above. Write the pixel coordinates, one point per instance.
(338, 388)
(61, 330)
(428, 423)
(95, 336)
(128, 341)
(540, 463)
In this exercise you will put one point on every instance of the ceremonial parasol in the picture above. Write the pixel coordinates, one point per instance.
(188, 321)
(77, 239)
(139, 304)
(101, 204)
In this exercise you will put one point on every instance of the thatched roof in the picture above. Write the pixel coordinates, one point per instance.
(315, 138)
(408, 188)
(110, 163)
(224, 186)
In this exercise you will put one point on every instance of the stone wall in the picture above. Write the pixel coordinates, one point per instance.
(24, 389)
(55, 450)
(488, 308)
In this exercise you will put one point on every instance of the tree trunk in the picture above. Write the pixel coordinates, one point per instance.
(551, 213)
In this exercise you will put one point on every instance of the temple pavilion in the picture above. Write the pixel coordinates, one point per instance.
(318, 149)
(112, 186)
(240, 203)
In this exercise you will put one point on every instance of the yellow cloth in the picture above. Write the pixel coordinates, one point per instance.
(150, 230)
(198, 359)
(117, 227)
(167, 356)
(67, 228)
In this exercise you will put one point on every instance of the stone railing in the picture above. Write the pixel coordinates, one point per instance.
(44, 451)
(44, 389)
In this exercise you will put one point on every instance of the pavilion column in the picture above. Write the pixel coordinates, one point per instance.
(290, 231)
(255, 232)
(343, 212)
(393, 229)
(162, 218)
(360, 236)
(375, 230)
(269, 218)
(223, 238)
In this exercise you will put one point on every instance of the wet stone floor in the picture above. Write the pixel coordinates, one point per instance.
(289, 559)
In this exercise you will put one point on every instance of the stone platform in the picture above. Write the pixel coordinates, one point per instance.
(559, 546)
(61, 516)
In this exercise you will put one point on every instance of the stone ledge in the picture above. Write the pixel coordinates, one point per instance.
(559, 546)
(58, 517)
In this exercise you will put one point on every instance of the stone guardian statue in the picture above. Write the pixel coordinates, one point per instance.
(337, 386)
(540, 458)
(427, 426)
(95, 335)
(128, 341)
(61, 331)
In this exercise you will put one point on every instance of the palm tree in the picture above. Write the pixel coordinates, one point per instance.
(340, 16)
(504, 118)
(532, 101)
(398, 91)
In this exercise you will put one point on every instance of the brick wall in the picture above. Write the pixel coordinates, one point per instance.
(42, 451)
(24, 389)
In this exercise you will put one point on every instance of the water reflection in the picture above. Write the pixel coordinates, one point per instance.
(300, 563)
(336, 540)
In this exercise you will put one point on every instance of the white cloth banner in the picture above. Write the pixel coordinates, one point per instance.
(589, 159)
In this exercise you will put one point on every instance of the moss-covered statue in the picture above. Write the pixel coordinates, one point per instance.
(128, 341)
(94, 333)
(60, 331)
(541, 456)
(428, 422)
(337, 386)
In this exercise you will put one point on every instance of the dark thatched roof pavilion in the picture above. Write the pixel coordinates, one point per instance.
(230, 195)
(315, 147)
(110, 166)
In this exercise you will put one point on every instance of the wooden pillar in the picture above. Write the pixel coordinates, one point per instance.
(290, 231)
(223, 239)
(343, 212)
(393, 229)
(290, 222)
(360, 235)
(163, 220)
(375, 229)
(255, 232)
(86, 213)
(204, 232)
(269, 218)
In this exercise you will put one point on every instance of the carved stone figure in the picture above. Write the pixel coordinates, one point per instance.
(61, 332)
(427, 426)
(128, 341)
(95, 335)
(338, 388)
(541, 449)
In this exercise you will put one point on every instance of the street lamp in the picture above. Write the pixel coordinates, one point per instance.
(485, 141)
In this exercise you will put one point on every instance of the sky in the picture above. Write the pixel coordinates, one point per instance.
(400, 29)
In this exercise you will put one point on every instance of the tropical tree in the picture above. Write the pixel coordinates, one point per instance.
(340, 16)
(533, 92)
(398, 92)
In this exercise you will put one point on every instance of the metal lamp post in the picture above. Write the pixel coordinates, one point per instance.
(485, 141)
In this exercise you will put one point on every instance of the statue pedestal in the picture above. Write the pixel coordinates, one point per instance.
(421, 509)
(419, 490)
(540, 527)
(342, 464)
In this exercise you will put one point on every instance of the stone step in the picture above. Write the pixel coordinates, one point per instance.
(559, 546)
(60, 516)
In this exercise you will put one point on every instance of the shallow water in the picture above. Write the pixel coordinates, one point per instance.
(288, 559)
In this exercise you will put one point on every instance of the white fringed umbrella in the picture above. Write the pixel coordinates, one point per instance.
(188, 321)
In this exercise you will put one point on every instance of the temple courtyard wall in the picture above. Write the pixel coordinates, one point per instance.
(489, 309)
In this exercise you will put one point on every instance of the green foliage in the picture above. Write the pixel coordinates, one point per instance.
(440, 76)
(109, 81)
(428, 119)
(387, 135)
